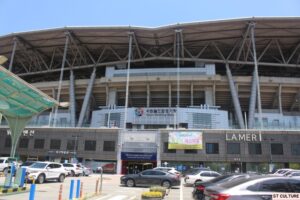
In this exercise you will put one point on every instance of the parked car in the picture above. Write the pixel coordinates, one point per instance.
(190, 179)
(281, 172)
(195, 170)
(151, 177)
(5, 164)
(292, 173)
(199, 186)
(254, 188)
(168, 169)
(43, 171)
(27, 164)
(73, 169)
(86, 171)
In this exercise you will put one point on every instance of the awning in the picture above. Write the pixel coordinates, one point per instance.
(19, 102)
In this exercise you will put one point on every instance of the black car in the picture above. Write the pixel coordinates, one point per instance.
(254, 188)
(151, 177)
(199, 186)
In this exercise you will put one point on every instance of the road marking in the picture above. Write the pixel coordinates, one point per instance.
(181, 190)
(104, 197)
(118, 197)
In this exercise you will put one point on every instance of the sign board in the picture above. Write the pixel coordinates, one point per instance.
(138, 156)
(243, 137)
(142, 112)
(140, 137)
(185, 140)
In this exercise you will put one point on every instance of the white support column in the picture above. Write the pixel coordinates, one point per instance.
(209, 96)
(72, 107)
(170, 95)
(279, 99)
(121, 132)
(13, 54)
(112, 96)
(256, 74)
(214, 94)
(192, 94)
(148, 95)
(61, 77)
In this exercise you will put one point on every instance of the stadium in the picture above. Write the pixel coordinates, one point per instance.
(233, 84)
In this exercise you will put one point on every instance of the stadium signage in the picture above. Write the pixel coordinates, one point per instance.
(138, 156)
(185, 140)
(243, 137)
(25, 132)
(140, 112)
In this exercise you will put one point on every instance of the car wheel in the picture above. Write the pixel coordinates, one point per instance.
(61, 178)
(5, 171)
(130, 183)
(72, 173)
(41, 178)
(166, 184)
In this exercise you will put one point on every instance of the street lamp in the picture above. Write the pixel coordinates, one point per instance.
(75, 145)
(269, 140)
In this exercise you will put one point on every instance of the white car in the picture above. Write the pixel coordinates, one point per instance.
(282, 172)
(5, 164)
(42, 171)
(73, 169)
(204, 176)
(168, 169)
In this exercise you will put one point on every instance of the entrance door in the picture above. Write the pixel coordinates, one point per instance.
(236, 167)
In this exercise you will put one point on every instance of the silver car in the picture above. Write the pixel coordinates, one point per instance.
(255, 188)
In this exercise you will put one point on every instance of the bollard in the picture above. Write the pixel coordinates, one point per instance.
(81, 189)
(60, 192)
(96, 190)
(101, 181)
(78, 189)
(71, 190)
(32, 192)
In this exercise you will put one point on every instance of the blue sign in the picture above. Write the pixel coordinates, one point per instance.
(138, 156)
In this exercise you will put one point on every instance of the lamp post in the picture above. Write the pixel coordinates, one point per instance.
(75, 146)
(269, 140)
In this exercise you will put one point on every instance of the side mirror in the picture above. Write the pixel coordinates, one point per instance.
(48, 168)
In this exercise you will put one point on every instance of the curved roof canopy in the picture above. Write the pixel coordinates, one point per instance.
(40, 52)
(19, 99)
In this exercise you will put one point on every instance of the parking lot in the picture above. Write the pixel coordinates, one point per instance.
(111, 190)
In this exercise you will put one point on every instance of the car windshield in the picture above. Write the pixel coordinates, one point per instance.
(39, 165)
(27, 163)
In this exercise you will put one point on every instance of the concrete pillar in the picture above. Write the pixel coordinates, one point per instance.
(170, 95)
(279, 99)
(72, 108)
(112, 97)
(209, 100)
(192, 94)
(148, 95)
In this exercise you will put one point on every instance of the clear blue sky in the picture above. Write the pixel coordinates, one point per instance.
(27, 15)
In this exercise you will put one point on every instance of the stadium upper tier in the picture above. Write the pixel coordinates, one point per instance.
(207, 63)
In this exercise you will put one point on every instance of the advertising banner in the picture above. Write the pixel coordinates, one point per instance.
(185, 140)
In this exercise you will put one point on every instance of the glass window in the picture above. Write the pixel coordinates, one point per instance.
(212, 148)
(55, 144)
(190, 151)
(39, 143)
(148, 173)
(205, 174)
(295, 149)
(233, 148)
(167, 150)
(254, 148)
(277, 149)
(213, 174)
(265, 122)
(158, 173)
(7, 142)
(277, 185)
(90, 145)
(23, 143)
(109, 146)
(71, 145)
